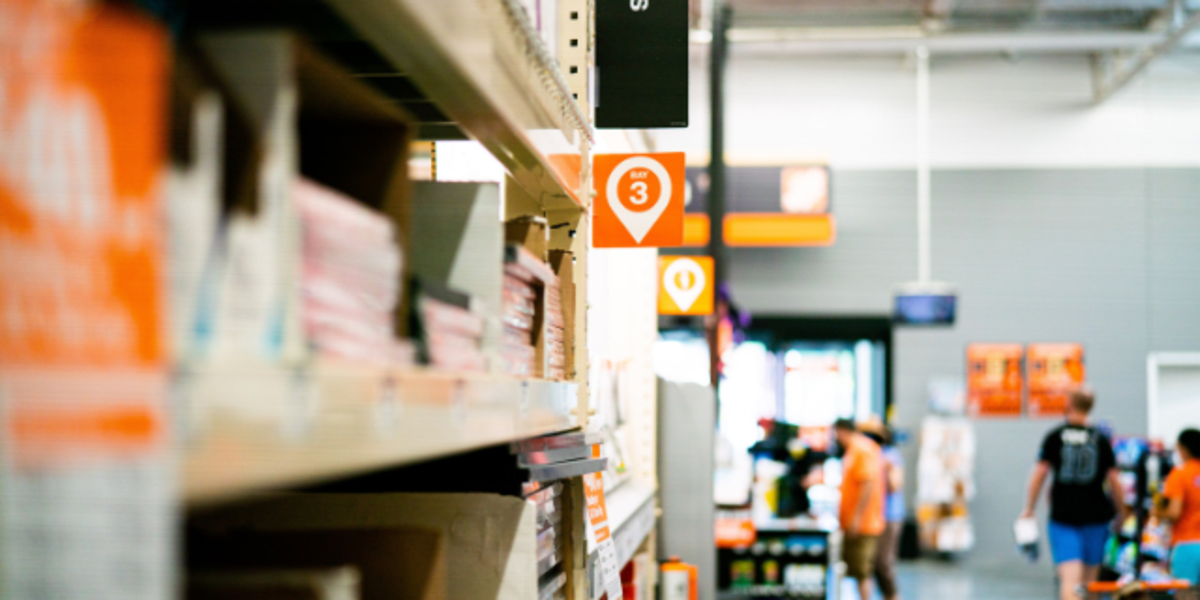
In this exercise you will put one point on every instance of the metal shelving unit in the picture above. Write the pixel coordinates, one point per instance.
(482, 64)
(250, 429)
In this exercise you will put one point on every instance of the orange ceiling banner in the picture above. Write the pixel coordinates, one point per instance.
(994, 380)
(695, 230)
(1054, 371)
(779, 230)
(639, 200)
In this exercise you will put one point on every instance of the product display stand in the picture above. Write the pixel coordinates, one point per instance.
(789, 558)
(1141, 548)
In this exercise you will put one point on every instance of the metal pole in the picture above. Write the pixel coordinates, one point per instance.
(923, 209)
(716, 170)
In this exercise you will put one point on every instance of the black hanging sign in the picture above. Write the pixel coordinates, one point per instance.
(641, 64)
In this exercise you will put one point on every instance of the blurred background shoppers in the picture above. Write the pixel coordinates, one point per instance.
(862, 504)
(1182, 494)
(1081, 511)
(893, 510)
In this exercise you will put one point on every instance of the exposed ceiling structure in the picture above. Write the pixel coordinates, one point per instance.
(1122, 36)
(957, 15)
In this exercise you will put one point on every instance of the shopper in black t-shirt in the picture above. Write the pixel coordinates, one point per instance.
(1081, 459)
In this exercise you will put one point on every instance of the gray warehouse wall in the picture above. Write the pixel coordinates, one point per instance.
(1109, 258)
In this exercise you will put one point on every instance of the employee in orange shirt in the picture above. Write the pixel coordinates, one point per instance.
(861, 511)
(1182, 492)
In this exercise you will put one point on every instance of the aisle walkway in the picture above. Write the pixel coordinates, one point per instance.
(928, 580)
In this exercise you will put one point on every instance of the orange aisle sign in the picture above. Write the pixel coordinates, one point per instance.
(639, 202)
(685, 285)
(1054, 371)
(994, 380)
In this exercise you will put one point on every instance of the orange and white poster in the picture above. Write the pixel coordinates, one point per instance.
(994, 383)
(1054, 371)
(639, 200)
(685, 285)
(86, 461)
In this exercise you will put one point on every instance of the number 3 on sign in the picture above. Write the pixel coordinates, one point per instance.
(639, 200)
(639, 192)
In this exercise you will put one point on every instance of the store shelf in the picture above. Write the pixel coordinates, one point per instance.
(250, 429)
(632, 515)
(483, 66)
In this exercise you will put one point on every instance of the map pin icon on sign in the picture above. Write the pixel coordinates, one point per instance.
(640, 200)
(686, 285)
(639, 223)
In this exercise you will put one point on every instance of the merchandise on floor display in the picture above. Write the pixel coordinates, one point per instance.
(945, 484)
(786, 560)
(1140, 549)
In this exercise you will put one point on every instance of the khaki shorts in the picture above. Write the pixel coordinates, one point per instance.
(859, 554)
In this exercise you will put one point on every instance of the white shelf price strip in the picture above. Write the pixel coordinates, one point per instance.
(597, 512)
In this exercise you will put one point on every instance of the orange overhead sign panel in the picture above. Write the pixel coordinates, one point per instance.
(685, 285)
(779, 229)
(639, 200)
(994, 382)
(695, 230)
(1054, 371)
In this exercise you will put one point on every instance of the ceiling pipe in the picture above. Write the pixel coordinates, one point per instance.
(905, 40)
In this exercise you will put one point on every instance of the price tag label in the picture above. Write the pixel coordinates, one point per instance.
(458, 404)
(523, 402)
(387, 407)
(301, 409)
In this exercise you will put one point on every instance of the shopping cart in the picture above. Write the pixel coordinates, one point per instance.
(1141, 590)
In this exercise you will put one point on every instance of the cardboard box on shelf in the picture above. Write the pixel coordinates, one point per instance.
(532, 233)
(395, 563)
(563, 263)
(490, 540)
(341, 583)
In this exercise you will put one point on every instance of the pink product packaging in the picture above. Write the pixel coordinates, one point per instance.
(349, 289)
(342, 214)
(439, 316)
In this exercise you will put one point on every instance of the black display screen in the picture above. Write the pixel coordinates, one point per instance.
(924, 309)
(641, 64)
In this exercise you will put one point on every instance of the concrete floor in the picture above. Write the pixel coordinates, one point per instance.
(967, 580)
(924, 580)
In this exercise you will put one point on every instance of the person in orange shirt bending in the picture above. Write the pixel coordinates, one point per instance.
(1182, 492)
(861, 511)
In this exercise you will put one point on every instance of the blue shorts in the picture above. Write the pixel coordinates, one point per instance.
(1185, 562)
(1084, 543)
